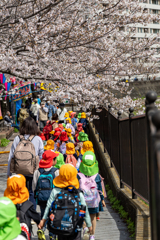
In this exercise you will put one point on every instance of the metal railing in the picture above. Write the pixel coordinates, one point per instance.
(126, 143)
(133, 144)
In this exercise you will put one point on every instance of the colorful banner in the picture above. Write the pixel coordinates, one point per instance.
(21, 92)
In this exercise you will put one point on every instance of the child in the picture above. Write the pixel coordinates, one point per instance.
(47, 129)
(69, 134)
(64, 140)
(89, 172)
(87, 146)
(49, 145)
(69, 125)
(74, 119)
(67, 176)
(17, 192)
(84, 121)
(70, 156)
(79, 127)
(60, 161)
(83, 137)
(10, 228)
(46, 167)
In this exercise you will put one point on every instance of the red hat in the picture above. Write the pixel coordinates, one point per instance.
(57, 133)
(72, 114)
(47, 159)
(42, 136)
(63, 137)
(79, 127)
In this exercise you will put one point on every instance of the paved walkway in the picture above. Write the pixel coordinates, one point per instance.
(110, 226)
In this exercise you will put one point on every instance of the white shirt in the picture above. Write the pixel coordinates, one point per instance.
(61, 113)
(34, 108)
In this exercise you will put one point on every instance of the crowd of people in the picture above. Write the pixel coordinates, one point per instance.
(52, 164)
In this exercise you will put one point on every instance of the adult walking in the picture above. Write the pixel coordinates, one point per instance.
(34, 109)
(42, 116)
(61, 112)
(27, 130)
(51, 110)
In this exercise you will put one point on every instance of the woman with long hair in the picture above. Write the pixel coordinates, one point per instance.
(27, 129)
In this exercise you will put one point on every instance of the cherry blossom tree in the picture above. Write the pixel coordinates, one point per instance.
(75, 44)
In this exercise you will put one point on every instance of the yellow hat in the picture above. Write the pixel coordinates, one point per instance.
(70, 149)
(52, 132)
(49, 145)
(67, 176)
(66, 115)
(87, 146)
(68, 119)
(83, 115)
(68, 131)
(70, 112)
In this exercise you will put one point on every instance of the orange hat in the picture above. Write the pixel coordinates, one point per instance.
(68, 119)
(67, 176)
(50, 145)
(70, 149)
(16, 189)
(87, 146)
(47, 159)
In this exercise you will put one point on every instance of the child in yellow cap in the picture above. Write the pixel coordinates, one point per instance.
(67, 177)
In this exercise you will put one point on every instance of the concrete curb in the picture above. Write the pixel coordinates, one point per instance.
(138, 211)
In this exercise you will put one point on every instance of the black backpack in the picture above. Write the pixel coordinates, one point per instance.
(22, 209)
(66, 213)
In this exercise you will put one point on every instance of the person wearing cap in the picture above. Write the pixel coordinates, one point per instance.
(84, 121)
(89, 167)
(69, 125)
(42, 116)
(67, 176)
(49, 145)
(17, 192)
(47, 162)
(79, 116)
(83, 137)
(10, 228)
(69, 134)
(64, 139)
(87, 146)
(61, 112)
(60, 161)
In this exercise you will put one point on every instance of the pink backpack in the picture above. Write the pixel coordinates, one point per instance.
(90, 191)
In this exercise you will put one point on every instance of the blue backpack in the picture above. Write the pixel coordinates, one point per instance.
(44, 185)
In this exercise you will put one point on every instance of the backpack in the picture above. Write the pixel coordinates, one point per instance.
(21, 212)
(44, 185)
(66, 213)
(90, 191)
(73, 122)
(23, 114)
(25, 161)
